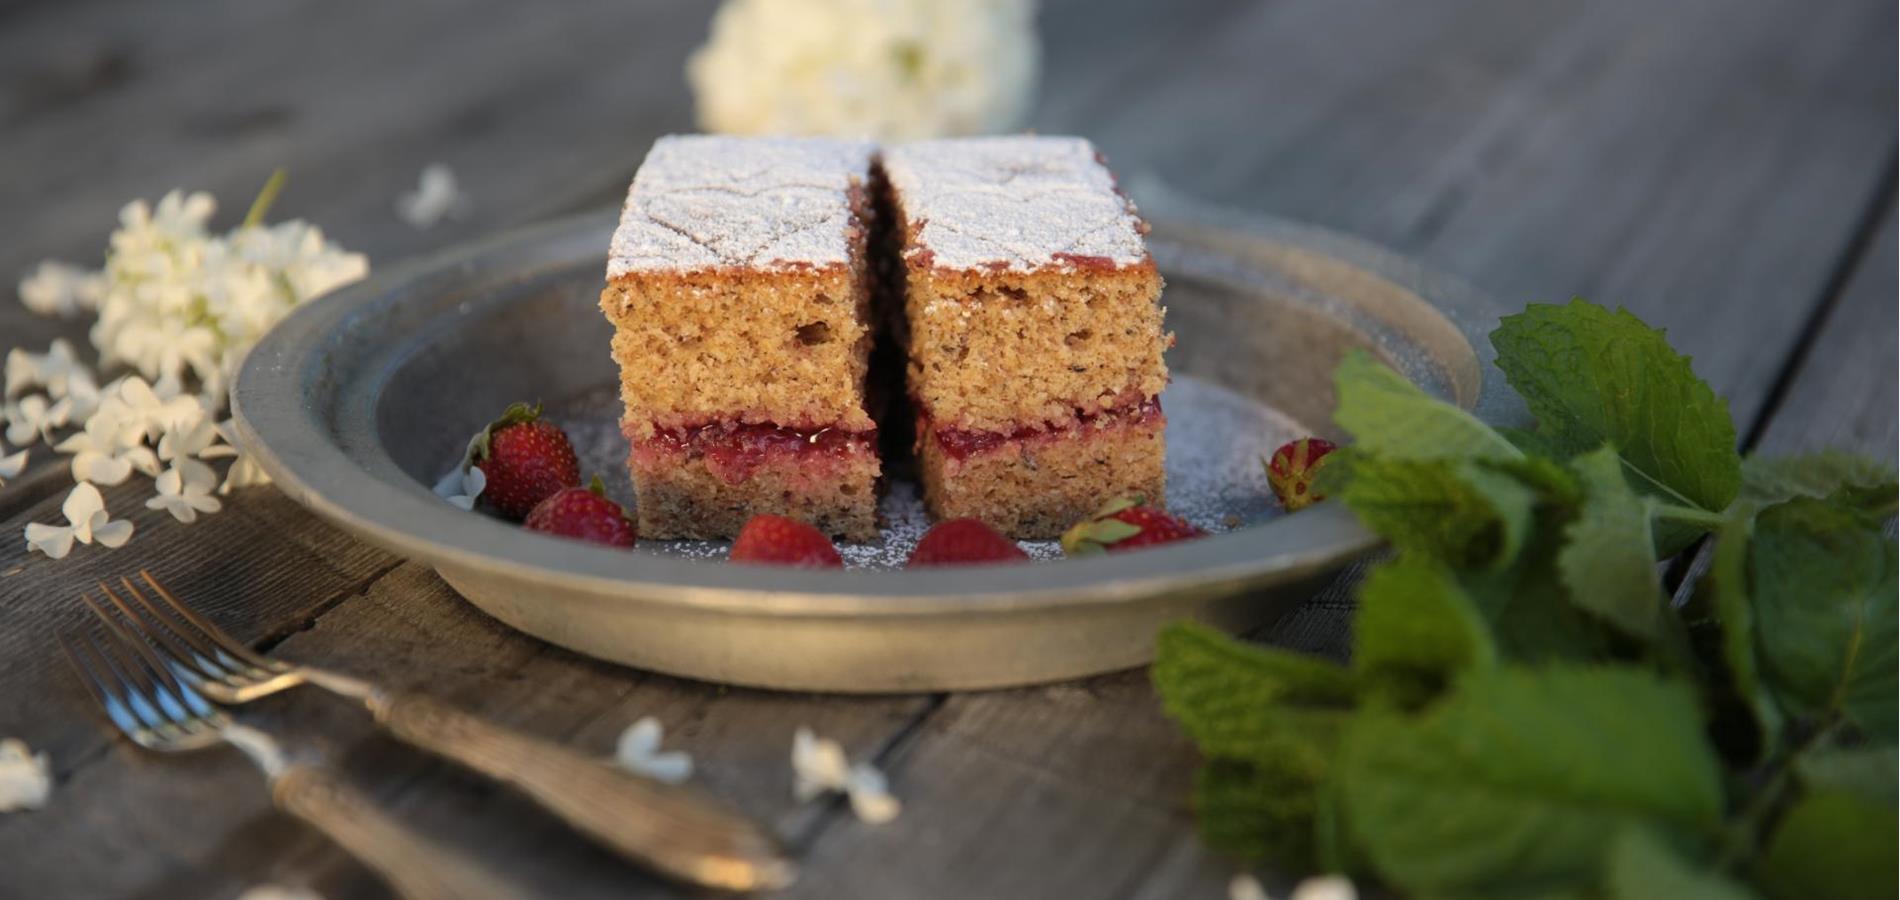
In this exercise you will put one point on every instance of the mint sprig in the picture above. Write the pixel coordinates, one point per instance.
(1526, 713)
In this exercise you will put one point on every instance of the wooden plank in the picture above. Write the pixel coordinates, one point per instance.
(131, 802)
(1543, 149)
(1841, 394)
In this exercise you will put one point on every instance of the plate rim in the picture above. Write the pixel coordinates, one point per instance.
(279, 426)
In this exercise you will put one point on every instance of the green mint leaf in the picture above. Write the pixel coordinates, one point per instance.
(1831, 844)
(1728, 579)
(1822, 581)
(1643, 866)
(1258, 811)
(1456, 511)
(1414, 631)
(1594, 377)
(1608, 562)
(1530, 611)
(1245, 702)
(1519, 779)
(1864, 483)
(1871, 773)
(1390, 416)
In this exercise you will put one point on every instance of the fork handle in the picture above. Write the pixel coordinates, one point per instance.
(415, 865)
(672, 829)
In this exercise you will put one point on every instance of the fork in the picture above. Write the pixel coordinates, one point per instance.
(160, 713)
(669, 828)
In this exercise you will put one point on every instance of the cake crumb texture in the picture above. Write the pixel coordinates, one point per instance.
(1035, 489)
(787, 348)
(998, 350)
(685, 498)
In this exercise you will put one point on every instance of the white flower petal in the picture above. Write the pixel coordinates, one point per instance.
(1246, 887)
(435, 198)
(196, 477)
(12, 466)
(90, 467)
(449, 484)
(142, 459)
(25, 777)
(672, 767)
(474, 481)
(875, 809)
(113, 534)
(818, 765)
(640, 740)
(1326, 887)
(53, 540)
(638, 750)
(870, 795)
(82, 504)
(278, 892)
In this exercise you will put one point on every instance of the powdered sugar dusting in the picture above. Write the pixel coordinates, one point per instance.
(1215, 437)
(1019, 202)
(702, 201)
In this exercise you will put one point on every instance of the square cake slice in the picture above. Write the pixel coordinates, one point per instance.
(1033, 329)
(739, 287)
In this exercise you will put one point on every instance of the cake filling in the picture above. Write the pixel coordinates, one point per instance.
(960, 444)
(734, 451)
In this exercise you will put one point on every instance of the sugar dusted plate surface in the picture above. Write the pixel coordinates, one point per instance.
(358, 403)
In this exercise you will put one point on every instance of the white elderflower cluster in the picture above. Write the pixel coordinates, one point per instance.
(176, 300)
(884, 69)
(177, 306)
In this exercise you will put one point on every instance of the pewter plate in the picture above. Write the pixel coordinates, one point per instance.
(357, 403)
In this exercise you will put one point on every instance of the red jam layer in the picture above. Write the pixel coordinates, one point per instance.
(960, 444)
(733, 451)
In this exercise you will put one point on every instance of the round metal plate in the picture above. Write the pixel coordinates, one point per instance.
(354, 403)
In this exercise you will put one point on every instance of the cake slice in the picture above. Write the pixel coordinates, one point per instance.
(739, 287)
(1033, 329)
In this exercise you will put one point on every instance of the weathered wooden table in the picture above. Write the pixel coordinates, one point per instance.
(1724, 168)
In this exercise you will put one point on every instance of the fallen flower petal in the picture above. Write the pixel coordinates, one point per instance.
(12, 466)
(25, 777)
(638, 751)
(435, 199)
(819, 766)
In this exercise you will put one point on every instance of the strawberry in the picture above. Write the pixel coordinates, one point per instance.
(1294, 470)
(583, 514)
(525, 459)
(1125, 524)
(786, 542)
(961, 541)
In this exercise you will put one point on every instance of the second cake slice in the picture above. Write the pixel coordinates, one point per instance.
(1035, 336)
(739, 287)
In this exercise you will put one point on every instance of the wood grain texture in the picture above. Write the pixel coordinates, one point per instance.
(1707, 163)
(1841, 393)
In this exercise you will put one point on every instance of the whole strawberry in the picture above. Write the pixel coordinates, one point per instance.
(583, 514)
(1293, 472)
(785, 542)
(1125, 524)
(525, 460)
(963, 541)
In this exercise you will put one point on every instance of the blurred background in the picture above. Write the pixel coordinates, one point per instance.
(1686, 159)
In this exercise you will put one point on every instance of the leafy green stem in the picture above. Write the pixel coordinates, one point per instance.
(1689, 515)
(265, 197)
(1742, 839)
